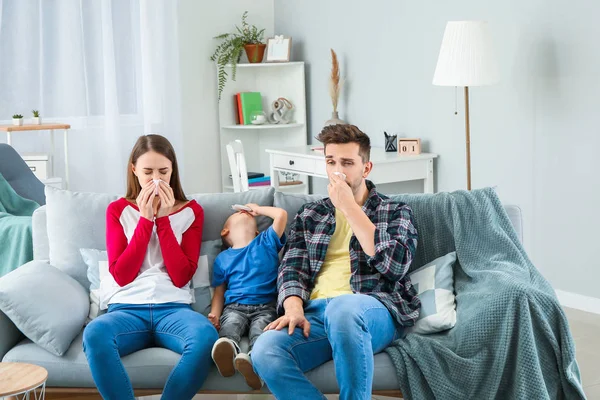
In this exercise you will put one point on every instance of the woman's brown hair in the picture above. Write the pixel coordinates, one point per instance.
(161, 145)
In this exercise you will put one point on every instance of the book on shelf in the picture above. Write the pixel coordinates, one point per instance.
(252, 175)
(238, 109)
(249, 104)
(264, 183)
(260, 179)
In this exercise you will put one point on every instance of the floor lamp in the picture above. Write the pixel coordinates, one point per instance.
(466, 59)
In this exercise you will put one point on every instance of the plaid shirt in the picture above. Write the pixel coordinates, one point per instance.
(382, 276)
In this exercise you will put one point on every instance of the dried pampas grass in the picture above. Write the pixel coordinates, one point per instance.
(335, 82)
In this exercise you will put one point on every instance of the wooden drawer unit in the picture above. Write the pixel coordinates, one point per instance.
(292, 163)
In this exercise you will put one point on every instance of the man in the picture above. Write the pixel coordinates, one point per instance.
(343, 289)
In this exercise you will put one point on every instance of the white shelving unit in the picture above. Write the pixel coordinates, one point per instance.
(272, 80)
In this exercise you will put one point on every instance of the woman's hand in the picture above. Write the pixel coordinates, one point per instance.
(167, 199)
(145, 199)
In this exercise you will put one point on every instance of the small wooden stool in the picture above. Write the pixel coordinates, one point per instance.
(22, 381)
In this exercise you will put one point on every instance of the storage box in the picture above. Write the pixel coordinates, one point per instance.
(39, 164)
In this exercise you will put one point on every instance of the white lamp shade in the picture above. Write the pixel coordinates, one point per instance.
(466, 56)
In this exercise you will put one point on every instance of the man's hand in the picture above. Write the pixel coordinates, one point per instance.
(215, 320)
(340, 193)
(294, 317)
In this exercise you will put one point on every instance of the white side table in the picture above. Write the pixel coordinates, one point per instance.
(9, 129)
(22, 381)
(388, 167)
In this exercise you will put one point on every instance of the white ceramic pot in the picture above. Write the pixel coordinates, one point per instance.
(18, 121)
(37, 120)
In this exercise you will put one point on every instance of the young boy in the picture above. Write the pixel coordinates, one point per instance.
(245, 281)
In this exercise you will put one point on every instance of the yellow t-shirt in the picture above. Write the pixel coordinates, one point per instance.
(334, 276)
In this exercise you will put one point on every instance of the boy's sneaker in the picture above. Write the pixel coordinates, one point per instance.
(223, 353)
(243, 363)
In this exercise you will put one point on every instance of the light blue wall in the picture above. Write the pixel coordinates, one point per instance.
(534, 135)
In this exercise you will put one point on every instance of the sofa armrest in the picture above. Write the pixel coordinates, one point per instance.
(516, 218)
(9, 335)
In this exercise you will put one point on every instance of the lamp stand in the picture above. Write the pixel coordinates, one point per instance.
(468, 137)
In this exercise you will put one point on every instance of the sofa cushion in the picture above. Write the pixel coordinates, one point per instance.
(291, 202)
(47, 305)
(97, 265)
(516, 219)
(434, 283)
(150, 368)
(92, 258)
(201, 281)
(75, 221)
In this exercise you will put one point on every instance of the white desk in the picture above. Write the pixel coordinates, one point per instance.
(44, 127)
(387, 167)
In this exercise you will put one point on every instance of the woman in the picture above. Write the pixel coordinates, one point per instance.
(153, 238)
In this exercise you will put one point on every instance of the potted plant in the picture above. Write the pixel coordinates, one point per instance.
(249, 38)
(17, 119)
(36, 117)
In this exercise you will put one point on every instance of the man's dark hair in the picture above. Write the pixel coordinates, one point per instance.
(344, 133)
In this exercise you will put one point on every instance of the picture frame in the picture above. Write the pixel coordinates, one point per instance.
(279, 48)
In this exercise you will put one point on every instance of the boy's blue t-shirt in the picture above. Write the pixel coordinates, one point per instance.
(250, 272)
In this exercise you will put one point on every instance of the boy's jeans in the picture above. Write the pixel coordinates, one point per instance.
(127, 328)
(237, 319)
(348, 329)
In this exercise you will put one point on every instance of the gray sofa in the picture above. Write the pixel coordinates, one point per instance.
(76, 220)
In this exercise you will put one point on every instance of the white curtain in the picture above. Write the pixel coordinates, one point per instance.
(110, 68)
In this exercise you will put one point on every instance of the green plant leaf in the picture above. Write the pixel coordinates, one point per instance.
(230, 50)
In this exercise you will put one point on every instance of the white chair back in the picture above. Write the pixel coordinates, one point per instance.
(237, 165)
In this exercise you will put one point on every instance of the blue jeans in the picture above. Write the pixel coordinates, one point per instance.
(127, 328)
(348, 329)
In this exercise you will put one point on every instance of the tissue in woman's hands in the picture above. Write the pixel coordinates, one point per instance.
(156, 183)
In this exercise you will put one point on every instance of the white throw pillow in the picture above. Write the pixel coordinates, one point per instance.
(97, 264)
(434, 283)
(201, 290)
(97, 269)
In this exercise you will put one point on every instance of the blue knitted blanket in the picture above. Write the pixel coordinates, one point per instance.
(512, 339)
(16, 247)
